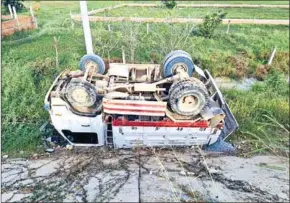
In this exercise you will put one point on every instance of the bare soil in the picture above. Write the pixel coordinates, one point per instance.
(9, 27)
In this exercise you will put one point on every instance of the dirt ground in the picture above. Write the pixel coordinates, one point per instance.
(9, 27)
(139, 175)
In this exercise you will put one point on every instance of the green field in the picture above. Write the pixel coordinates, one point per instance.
(238, 2)
(239, 13)
(28, 69)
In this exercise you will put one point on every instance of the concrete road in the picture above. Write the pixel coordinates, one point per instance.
(100, 175)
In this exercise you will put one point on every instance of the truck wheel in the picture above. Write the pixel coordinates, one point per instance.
(175, 61)
(188, 98)
(92, 61)
(81, 93)
(188, 80)
(173, 53)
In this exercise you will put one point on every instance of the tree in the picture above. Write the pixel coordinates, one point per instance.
(16, 3)
(131, 37)
(210, 23)
(169, 3)
(106, 40)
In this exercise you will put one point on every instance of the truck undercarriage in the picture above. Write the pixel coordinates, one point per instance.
(175, 104)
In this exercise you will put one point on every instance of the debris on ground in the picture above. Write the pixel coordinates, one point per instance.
(98, 175)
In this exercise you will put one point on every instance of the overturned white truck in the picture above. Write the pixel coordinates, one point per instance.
(129, 105)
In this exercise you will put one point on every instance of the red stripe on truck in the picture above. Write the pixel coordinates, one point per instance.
(198, 124)
(134, 110)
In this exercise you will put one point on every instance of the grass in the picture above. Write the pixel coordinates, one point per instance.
(238, 2)
(263, 116)
(28, 68)
(272, 167)
(239, 13)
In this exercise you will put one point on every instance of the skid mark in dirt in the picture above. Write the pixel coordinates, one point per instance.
(101, 175)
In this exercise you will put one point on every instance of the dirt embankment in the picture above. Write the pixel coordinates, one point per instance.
(11, 26)
(100, 175)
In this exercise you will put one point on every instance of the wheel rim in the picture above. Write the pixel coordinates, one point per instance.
(179, 67)
(188, 103)
(80, 96)
(92, 67)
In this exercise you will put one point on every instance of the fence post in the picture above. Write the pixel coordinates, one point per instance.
(147, 28)
(33, 17)
(228, 29)
(10, 10)
(15, 15)
(123, 55)
(31, 12)
(56, 51)
(72, 22)
(109, 27)
(272, 56)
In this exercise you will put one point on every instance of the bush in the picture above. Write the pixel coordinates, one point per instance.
(169, 3)
(210, 23)
(16, 3)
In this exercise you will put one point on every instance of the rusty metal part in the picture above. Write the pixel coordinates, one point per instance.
(75, 74)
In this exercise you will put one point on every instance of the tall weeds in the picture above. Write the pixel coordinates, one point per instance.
(263, 115)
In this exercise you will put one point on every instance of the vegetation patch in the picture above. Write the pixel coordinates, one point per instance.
(210, 23)
(16, 3)
(163, 12)
(241, 63)
(263, 116)
(169, 3)
(28, 69)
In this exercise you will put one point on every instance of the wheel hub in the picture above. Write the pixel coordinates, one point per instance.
(188, 103)
(92, 67)
(179, 68)
(80, 96)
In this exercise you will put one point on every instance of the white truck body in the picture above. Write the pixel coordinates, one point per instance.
(129, 134)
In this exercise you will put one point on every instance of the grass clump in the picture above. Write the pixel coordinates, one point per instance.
(263, 116)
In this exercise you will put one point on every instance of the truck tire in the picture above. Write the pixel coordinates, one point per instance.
(81, 93)
(178, 59)
(92, 60)
(189, 80)
(173, 53)
(188, 98)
